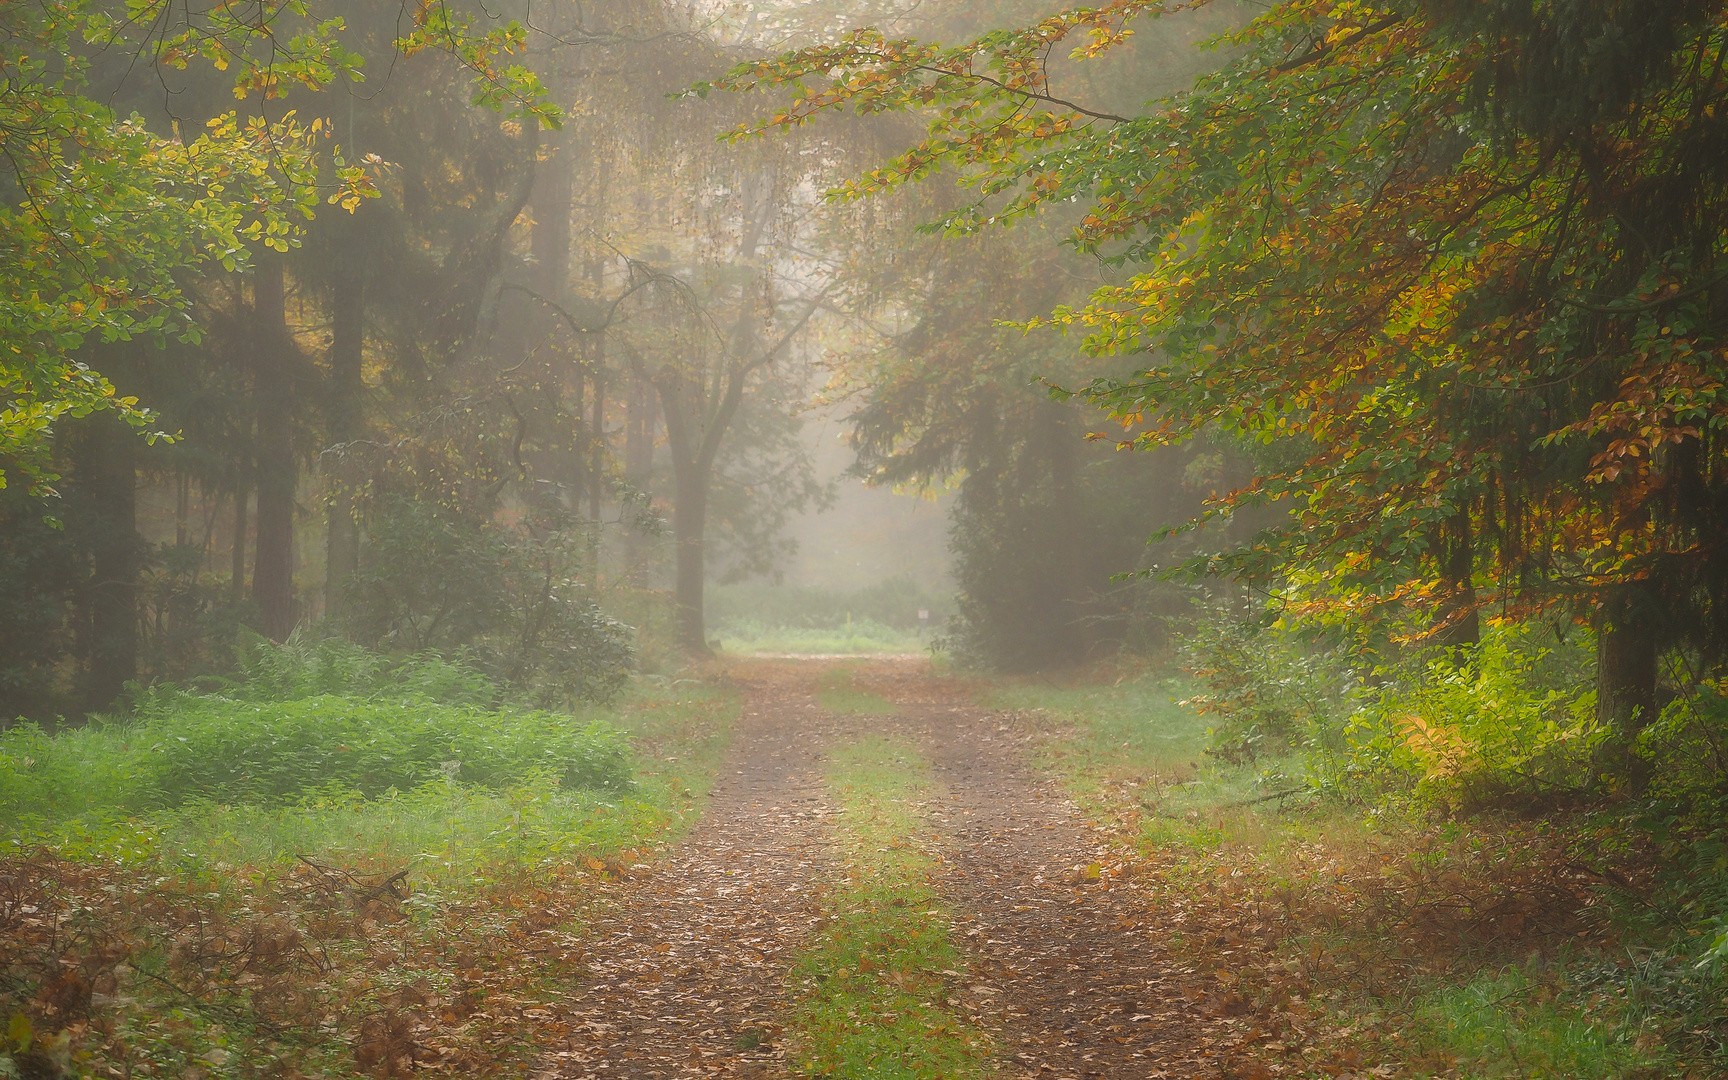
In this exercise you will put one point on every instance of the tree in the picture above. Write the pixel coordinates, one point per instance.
(104, 215)
(1462, 258)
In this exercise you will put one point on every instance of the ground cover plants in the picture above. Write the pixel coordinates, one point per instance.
(754, 619)
(340, 865)
(1424, 869)
(870, 995)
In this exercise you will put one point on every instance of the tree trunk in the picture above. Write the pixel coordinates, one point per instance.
(273, 391)
(1626, 669)
(689, 521)
(693, 452)
(107, 470)
(343, 423)
(1456, 622)
(638, 465)
(597, 448)
(237, 567)
(1066, 569)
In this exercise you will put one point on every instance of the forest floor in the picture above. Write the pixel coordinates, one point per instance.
(701, 962)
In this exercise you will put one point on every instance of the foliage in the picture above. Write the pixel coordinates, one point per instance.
(104, 217)
(434, 579)
(1267, 691)
(1491, 724)
(183, 747)
(304, 667)
(1455, 261)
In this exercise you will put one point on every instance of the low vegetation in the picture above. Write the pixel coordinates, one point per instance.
(755, 619)
(870, 993)
(338, 863)
(1428, 861)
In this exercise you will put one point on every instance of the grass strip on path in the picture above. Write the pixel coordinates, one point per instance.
(874, 983)
(837, 692)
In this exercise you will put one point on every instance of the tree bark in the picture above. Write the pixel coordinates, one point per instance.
(237, 567)
(638, 465)
(597, 448)
(273, 391)
(1456, 622)
(1626, 670)
(107, 470)
(693, 434)
(689, 523)
(343, 423)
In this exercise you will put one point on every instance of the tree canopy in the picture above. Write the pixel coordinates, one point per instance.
(1458, 267)
(103, 215)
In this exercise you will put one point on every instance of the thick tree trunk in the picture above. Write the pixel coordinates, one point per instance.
(1626, 670)
(689, 521)
(343, 423)
(107, 470)
(273, 391)
(693, 449)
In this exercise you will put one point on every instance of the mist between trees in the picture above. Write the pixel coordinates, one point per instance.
(473, 336)
(1365, 361)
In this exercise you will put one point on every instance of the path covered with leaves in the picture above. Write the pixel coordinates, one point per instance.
(1068, 970)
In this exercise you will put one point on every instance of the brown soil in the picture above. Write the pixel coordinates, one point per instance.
(1066, 972)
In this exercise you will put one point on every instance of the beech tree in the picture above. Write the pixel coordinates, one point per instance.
(1463, 259)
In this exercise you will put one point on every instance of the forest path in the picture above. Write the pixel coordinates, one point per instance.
(688, 957)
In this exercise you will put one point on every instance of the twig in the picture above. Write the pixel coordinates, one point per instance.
(1285, 794)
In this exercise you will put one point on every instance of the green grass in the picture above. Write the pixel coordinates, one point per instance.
(1535, 1020)
(875, 982)
(837, 692)
(750, 637)
(1133, 737)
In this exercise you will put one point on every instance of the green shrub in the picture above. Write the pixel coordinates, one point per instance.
(1493, 722)
(1266, 691)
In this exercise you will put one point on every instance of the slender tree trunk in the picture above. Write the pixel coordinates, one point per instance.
(237, 568)
(1066, 570)
(1455, 620)
(273, 389)
(343, 424)
(597, 449)
(108, 473)
(638, 464)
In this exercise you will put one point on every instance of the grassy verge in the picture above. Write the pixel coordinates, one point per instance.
(1387, 940)
(873, 987)
(373, 897)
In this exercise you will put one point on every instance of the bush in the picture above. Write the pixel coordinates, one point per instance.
(434, 580)
(309, 716)
(1485, 725)
(1267, 692)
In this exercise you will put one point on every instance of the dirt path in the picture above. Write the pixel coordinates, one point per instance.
(685, 976)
